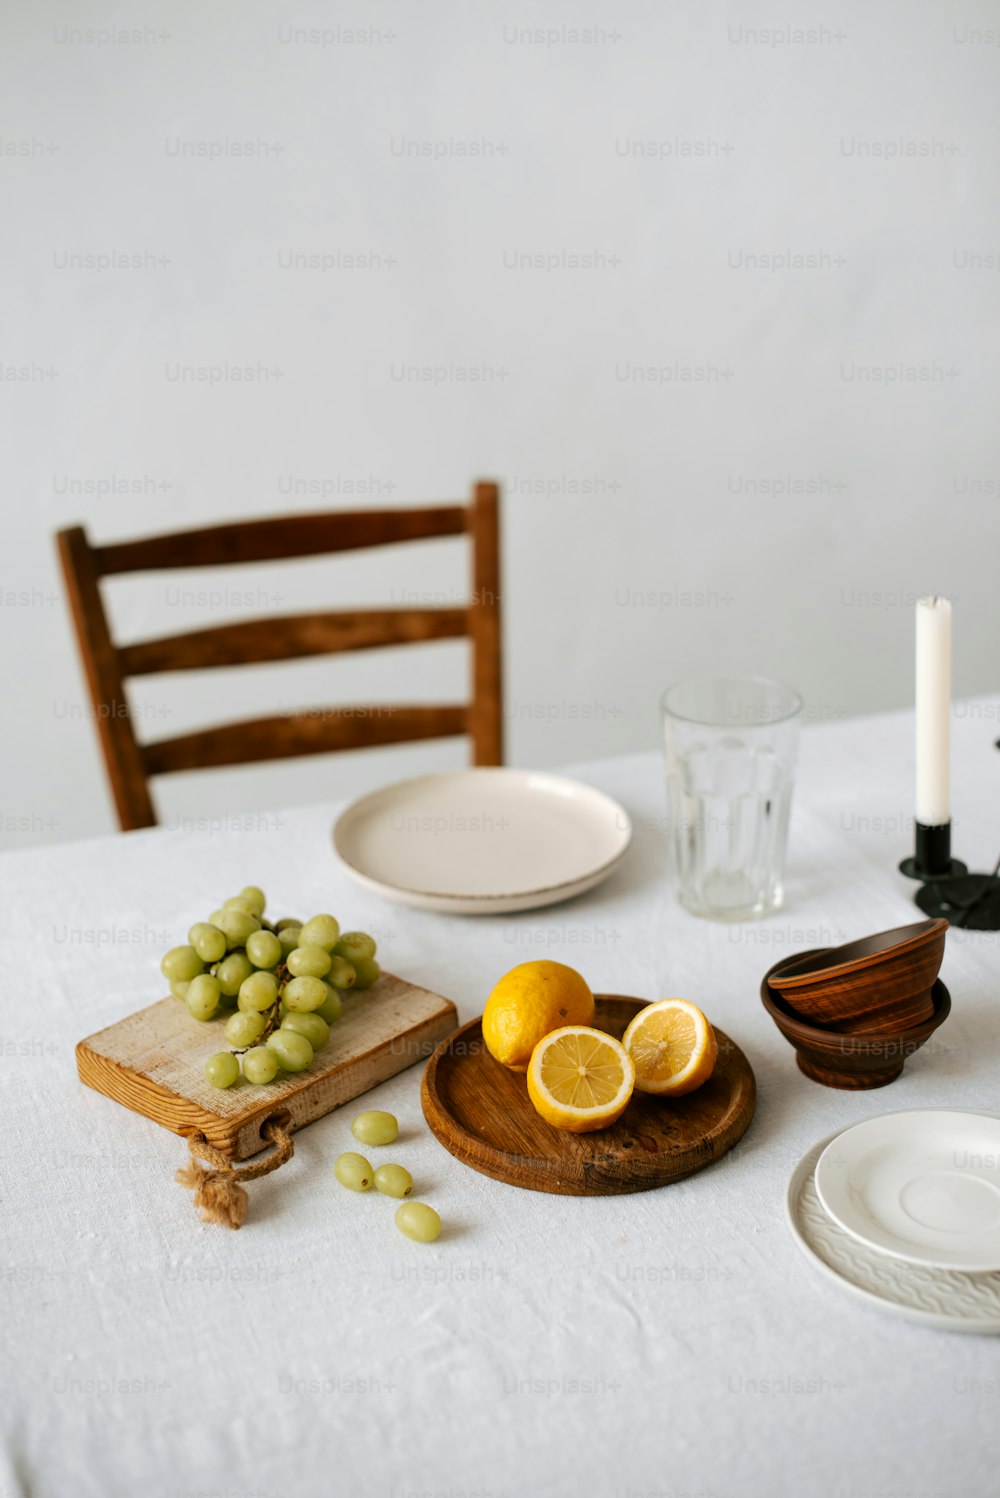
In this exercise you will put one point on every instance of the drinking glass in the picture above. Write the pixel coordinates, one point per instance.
(731, 749)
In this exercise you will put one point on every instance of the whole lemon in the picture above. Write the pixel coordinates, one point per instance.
(530, 1002)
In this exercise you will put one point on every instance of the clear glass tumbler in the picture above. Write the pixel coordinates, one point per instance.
(732, 743)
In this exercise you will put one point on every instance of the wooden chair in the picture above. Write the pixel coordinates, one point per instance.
(108, 665)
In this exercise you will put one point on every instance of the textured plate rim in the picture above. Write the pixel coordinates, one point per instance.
(580, 882)
(793, 1191)
(917, 1260)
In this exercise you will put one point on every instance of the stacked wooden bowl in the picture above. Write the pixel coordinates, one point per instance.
(855, 1013)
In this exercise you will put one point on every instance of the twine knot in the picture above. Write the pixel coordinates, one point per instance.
(218, 1191)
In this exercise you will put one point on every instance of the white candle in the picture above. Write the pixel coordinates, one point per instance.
(933, 702)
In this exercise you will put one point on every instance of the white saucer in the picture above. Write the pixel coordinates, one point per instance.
(923, 1186)
(943, 1298)
(482, 841)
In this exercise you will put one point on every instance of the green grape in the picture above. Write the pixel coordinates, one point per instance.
(393, 1180)
(331, 1007)
(258, 992)
(375, 1127)
(181, 964)
(418, 1221)
(353, 1171)
(232, 972)
(244, 1029)
(238, 925)
(255, 897)
(315, 1030)
(238, 902)
(222, 1069)
(321, 931)
(293, 1051)
(289, 938)
(365, 973)
(341, 973)
(208, 941)
(355, 946)
(287, 920)
(263, 949)
(202, 997)
(260, 1065)
(213, 919)
(301, 995)
(179, 990)
(308, 962)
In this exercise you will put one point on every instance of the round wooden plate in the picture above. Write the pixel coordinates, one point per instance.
(481, 1113)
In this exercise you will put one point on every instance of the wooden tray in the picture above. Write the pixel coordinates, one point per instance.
(481, 1113)
(152, 1062)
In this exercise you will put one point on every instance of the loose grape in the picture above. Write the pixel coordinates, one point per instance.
(308, 962)
(304, 994)
(222, 1069)
(258, 992)
(263, 949)
(255, 897)
(321, 931)
(393, 1180)
(315, 1030)
(238, 925)
(202, 997)
(341, 973)
(181, 964)
(418, 1221)
(289, 938)
(179, 990)
(366, 971)
(353, 1171)
(243, 1029)
(232, 972)
(260, 1065)
(293, 1051)
(355, 946)
(375, 1127)
(331, 1008)
(208, 941)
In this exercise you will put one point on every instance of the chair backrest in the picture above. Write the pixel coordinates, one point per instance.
(108, 665)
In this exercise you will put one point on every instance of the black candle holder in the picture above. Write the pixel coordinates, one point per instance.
(932, 854)
(947, 888)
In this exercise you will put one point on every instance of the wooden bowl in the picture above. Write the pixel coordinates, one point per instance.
(882, 982)
(849, 1060)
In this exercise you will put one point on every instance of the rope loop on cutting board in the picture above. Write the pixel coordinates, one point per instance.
(218, 1192)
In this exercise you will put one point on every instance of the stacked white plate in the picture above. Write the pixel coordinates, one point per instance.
(904, 1211)
(483, 841)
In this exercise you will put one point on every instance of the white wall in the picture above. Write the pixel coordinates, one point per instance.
(622, 497)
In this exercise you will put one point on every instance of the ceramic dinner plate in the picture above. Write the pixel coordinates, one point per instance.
(923, 1186)
(943, 1298)
(482, 841)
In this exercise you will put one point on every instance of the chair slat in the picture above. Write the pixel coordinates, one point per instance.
(311, 732)
(276, 639)
(286, 536)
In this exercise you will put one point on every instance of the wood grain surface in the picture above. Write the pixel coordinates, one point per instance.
(481, 1113)
(152, 1063)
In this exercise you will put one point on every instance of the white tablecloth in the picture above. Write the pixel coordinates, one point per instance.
(670, 1343)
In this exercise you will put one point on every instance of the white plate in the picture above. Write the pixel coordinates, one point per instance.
(943, 1298)
(923, 1186)
(483, 841)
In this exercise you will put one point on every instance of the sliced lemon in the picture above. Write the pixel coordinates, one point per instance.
(672, 1046)
(580, 1079)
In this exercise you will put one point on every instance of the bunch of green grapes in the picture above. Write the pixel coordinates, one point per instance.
(281, 983)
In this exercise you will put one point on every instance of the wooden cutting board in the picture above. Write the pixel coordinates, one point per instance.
(481, 1113)
(152, 1063)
